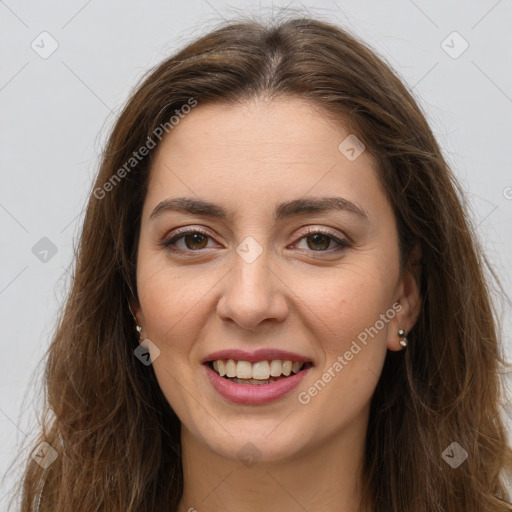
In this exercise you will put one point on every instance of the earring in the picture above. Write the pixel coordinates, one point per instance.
(139, 330)
(403, 341)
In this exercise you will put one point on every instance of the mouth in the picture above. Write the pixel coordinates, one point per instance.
(255, 378)
(257, 373)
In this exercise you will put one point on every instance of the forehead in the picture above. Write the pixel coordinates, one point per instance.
(258, 152)
(288, 130)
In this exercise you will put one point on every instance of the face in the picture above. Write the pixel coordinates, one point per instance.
(286, 250)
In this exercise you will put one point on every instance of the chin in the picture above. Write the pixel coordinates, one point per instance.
(251, 441)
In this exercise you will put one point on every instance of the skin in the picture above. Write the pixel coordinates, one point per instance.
(248, 158)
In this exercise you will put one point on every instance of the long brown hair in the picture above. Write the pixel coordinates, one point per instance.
(117, 438)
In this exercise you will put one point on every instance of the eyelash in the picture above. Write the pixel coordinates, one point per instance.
(342, 244)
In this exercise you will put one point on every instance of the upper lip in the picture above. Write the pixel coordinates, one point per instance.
(263, 354)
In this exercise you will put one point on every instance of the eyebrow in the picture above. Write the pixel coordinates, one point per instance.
(283, 210)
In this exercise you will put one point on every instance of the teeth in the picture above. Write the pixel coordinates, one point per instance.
(276, 368)
(296, 366)
(230, 368)
(244, 370)
(262, 370)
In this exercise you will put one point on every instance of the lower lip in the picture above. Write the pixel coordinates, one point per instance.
(254, 394)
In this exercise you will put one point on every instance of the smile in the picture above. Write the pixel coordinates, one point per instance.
(256, 378)
(258, 373)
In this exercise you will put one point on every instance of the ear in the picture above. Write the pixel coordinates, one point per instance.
(408, 300)
(136, 311)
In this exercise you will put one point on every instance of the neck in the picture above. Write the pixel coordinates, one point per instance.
(325, 477)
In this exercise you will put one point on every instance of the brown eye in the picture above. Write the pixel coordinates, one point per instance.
(319, 241)
(195, 241)
(192, 240)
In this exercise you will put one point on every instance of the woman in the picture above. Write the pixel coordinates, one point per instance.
(278, 303)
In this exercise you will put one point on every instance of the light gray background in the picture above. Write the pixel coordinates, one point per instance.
(56, 113)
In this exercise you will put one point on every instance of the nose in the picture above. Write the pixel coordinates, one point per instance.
(253, 294)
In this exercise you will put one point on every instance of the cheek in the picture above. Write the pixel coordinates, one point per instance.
(173, 302)
(352, 351)
(351, 334)
(347, 303)
(174, 314)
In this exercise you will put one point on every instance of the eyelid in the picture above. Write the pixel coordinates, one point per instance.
(342, 242)
(325, 231)
(180, 232)
(189, 229)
